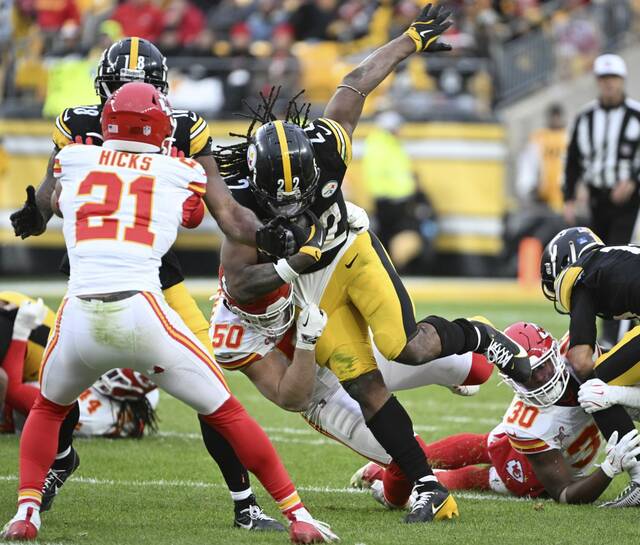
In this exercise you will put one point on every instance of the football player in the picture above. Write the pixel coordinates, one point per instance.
(259, 339)
(121, 206)
(586, 279)
(287, 167)
(546, 443)
(136, 59)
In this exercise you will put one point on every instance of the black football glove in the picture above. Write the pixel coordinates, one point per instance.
(28, 220)
(311, 237)
(428, 27)
(276, 239)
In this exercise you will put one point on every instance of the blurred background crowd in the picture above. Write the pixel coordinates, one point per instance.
(457, 160)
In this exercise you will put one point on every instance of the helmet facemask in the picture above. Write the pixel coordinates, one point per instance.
(548, 382)
(274, 322)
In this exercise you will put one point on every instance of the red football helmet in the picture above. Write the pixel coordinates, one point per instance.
(137, 118)
(124, 384)
(271, 314)
(549, 376)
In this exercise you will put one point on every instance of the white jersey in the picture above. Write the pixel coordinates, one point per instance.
(569, 429)
(99, 414)
(121, 213)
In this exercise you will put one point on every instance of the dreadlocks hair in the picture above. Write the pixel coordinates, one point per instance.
(232, 159)
(134, 417)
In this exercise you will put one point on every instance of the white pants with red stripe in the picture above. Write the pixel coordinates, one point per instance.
(141, 332)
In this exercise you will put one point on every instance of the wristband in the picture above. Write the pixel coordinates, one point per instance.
(284, 271)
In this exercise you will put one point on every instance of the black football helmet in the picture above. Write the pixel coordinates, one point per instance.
(131, 59)
(563, 251)
(283, 170)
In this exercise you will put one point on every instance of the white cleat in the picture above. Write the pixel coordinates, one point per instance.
(306, 529)
(366, 476)
(377, 491)
(23, 527)
(465, 391)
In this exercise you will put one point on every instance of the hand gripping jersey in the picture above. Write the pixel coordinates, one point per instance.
(569, 429)
(332, 148)
(121, 213)
(192, 137)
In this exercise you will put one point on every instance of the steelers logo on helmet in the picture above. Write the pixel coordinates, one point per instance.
(285, 175)
(251, 157)
(130, 59)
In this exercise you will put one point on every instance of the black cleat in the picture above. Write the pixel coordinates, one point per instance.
(56, 478)
(507, 355)
(431, 503)
(252, 517)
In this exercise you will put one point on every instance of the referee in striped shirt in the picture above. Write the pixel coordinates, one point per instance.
(604, 154)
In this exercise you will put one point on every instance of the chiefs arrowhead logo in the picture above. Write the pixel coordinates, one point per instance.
(514, 468)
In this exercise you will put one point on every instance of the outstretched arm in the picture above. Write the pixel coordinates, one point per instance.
(345, 106)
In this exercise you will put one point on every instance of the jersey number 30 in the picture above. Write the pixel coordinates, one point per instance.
(141, 188)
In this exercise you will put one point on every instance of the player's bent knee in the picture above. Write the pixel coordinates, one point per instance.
(423, 347)
(369, 391)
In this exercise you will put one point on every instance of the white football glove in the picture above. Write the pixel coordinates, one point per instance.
(357, 218)
(30, 315)
(302, 517)
(310, 325)
(465, 390)
(621, 455)
(595, 395)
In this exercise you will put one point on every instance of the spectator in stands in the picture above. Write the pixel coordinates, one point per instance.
(539, 186)
(238, 82)
(312, 19)
(265, 19)
(226, 14)
(140, 18)
(284, 68)
(51, 15)
(183, 23)
(404, 218)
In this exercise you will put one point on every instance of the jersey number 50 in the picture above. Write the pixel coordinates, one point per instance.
(141, 188)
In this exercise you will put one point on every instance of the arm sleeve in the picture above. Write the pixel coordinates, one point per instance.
(573, 165)
(582, 328)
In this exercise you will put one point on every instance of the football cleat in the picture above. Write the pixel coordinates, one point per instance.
(432, 504)
(366, 475)
(56, 478)
(305, 529)
(629, 497)
(507, 355)
(22, 527)
(254, 518)
(377, 491)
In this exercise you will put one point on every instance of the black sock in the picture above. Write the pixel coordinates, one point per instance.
(456, 337)
(234, 473)
(65, 435)
(393, 429)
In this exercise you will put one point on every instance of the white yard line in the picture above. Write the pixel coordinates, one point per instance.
(199, 484)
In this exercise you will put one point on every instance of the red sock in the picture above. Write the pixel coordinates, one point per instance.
(480, 371)
(457, 451)
(465, 478)
(397, 487)
(38, 445)
(20, 396)
(255, 451)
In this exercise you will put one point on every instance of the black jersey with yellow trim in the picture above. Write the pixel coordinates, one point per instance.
(609, 275)
(332, 148)
(192, 136)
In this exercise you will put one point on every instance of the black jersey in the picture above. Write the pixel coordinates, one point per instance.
(604, 283)
(192, 137)
(332, 147)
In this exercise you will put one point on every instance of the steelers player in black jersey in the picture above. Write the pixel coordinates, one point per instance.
(586, 279)
(133, 59)
(292, 169)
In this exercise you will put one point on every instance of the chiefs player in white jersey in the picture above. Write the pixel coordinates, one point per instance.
(122, 205)
(546, 443)
(259, 339)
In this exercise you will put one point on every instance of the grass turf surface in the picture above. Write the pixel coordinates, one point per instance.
(166, 490)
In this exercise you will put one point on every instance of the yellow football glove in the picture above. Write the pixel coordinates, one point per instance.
(428, 27)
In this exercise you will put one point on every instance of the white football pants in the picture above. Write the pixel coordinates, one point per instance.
(141, 332)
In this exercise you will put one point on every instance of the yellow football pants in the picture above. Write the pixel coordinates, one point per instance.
(364, 292)
(621, 365)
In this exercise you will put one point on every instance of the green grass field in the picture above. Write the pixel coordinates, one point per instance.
(166, 490)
